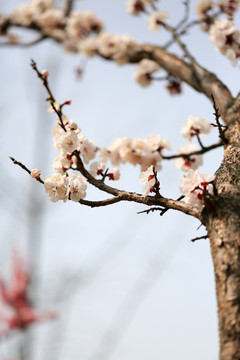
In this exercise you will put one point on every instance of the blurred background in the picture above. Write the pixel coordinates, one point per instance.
(124, 285)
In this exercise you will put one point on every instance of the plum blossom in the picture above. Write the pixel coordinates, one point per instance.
(35, 173)
(97, 168)
(226, 38)
(195, 125)
(77, 186)
(118, 47)
(155, 20)
(144, 70)
(51, 20)
(87, 149)
(80, 24)
(136, 7)
(194, 186)
(56, 187)
(148, 179)
(68, 141)
(115, 174)
(188, 162)
(203, 9)
(228, 6)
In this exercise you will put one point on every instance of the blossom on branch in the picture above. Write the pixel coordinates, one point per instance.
(195, 186)
(155, 20)
(188, 162)
(56, 187)
(148, 179)
(136, 7)
(63, 187)
(195, 125)
(229, 7)
(77, 186)
(226, 38)
(144, 70)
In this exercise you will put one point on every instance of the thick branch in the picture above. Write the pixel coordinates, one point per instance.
(198, 77)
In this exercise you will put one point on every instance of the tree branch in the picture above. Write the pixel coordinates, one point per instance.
(198, 77)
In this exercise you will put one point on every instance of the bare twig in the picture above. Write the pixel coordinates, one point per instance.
(199, 238)
(162, 210)
(50, 98)
(197, 152)
(220, 127)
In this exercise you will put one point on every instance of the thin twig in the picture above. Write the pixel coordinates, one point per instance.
(197, 152)
(25, 168)
(220, 127)
(199, 238)
(50, 98)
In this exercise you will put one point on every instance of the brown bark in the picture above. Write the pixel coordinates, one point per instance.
(222, 220)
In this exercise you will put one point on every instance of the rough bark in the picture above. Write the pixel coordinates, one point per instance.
(222, 220)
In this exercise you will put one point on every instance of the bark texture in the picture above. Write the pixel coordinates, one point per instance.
(222, 220)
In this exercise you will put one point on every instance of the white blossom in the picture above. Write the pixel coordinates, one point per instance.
(96, 168)
(68, 141)
(194, 186)
(119, 47)
(190, 162)
(115, 174)
(156, 143)
(195, 125)
(87, 149)
(135, 7)
(148, 179)
(35, 173)
(80, 24)
(77, 186)
(226, 38)
(155, 20)
(51, 19)
(144, 70)
(56, 187)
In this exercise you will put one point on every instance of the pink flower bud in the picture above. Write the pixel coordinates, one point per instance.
(44, 74)
(35, 173)
(68, 102)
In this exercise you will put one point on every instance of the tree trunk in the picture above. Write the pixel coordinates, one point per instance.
(222, 221)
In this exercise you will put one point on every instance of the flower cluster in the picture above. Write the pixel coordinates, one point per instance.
(189, 161)
(209, 11)
(226, 38)
(195, 187)
(70, 30)
(18, 313)
(195, 126)
(155, 19)
(116, 47)
(145, 152)
(63, 187)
